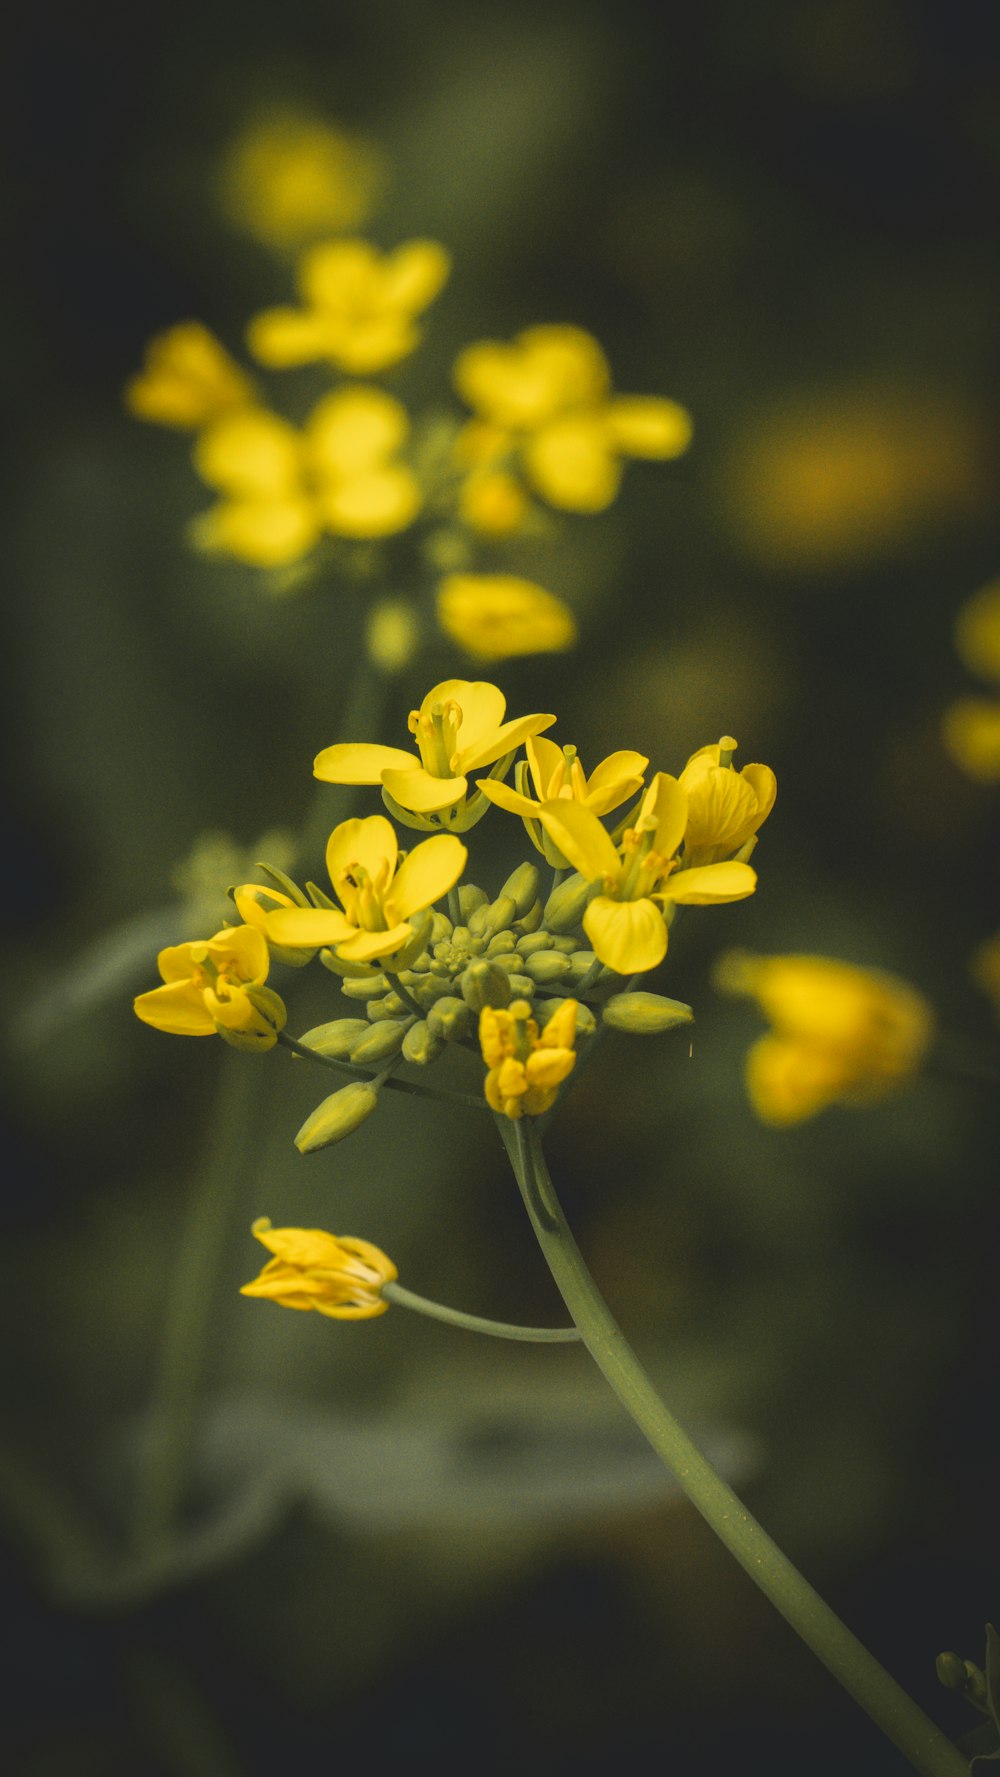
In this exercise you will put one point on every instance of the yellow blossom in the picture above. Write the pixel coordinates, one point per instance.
(458, 728)
(725, 806)
(547, 395)
(360, 307)
(333, 1273)
(284, 488)
(378, 893)
(986, 968)
(495, 616)
(288, 177)
(972, 724)
(525, 1065)
(840, 1034)
(556, 773)
(188, 380)
(624, 921)
(216, 986)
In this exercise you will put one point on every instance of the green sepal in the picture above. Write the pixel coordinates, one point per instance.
(407, 956)
(347, 971)
(284, 883)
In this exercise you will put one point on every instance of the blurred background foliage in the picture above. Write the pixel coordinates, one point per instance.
(400, 1546)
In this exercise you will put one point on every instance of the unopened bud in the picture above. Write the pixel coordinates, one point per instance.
(586, 1023)
(547, 967)
(407, 956)
(522, 887)
(530, 921)
(420, 1045)
(470, 898)
(339, 1115)
(368, 987)
(335, 1039)
(645, 1014)
(450, 1018)
(380, 1041)
(565, 906)
(483, 984)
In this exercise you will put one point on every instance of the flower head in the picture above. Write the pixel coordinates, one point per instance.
(547, 396)
(624, 920)
(972, 724)
(526, 1065)
(459, 727)
(284, 488)
(725, 806)
(360, 307)
(841, 1035)
(495, 616)
(216, 986)
(288, 176)
(188, 380)
(337, 1275)
(379, 894)
(557, 774)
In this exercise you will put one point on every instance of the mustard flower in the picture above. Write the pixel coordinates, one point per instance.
(360, 307)
(216, 986)
(986, 968)
(556, 773)
(972, 724)
(495, 616)
(378, 893)
(548, 397)
(526, 1066)
(841, 1034)
(624, 921)
(458, 728)
(337, 1275)
(725, 807)
(288, 176)
(188, 380)
(284, 488)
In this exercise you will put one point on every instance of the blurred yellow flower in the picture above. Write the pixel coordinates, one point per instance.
(625, 923)
(495, 616)
(841, 1035)
(986, 969)
(285, 488)
(333, 1273)
(459, 727)
(525, 1065)
(288, 177)
(548, 395)
(972, 724)
(378, 893)
(188, 380)
(360, 307)
(725, 806)
(216, 986)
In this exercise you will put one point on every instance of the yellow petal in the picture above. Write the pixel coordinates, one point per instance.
(282, 338)
(497, 616)
(340, 274)
(482, 706)
(545, 759)
(178, 1008)
(364, 947)
(370, 843)
(307, 926)
(188, 379)
(265, 533)
(414, 274)
(789, 1081)
(252, 452)
(495, 381)
(356, 762)
(572, 464)
(355, 428)
(666, 802)
(503, 740)
(765, 787)
(709, 883)
(504, 796)
(415, 789)
(649, 426)
(243, 945)
(374, 504)
(572, 361)
(581, 838)
(364, 346)
(628, 936)
(427, 873)
(611, 783)
(972, 736)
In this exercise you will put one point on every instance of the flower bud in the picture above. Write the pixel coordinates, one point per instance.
(530, 921)
(405, 958)
(581, 963)
(586, 1023)
(533, 941)
(522, 887)
(502, 945)
(420, 1045)
(390, 1006)
(339, 1115)
(335, 1039)
(565, 906)
(547, 966)
(483, 984)
(371, 987)
(645, 1014)
(380, 1041)
(450, 1018)
(470, 898)
(265, 1018)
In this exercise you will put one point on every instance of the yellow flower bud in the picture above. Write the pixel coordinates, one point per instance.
(645, 1014)
(338, 1276)
(338, 1116)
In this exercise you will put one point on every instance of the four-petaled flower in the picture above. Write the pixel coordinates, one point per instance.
(288, 177)
(337, 1275)
(285, 488)
(557, 775)
(546, 398)
(725, 806)
(841, 1034)
(360, 307)
(216, 986)
(624, 922)
(458, 728)
(495, 616)
(526, 1065)
(188, 380)
(378, 894)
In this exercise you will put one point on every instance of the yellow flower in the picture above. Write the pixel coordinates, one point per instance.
(548, 394)
(458, 728)
(842, 1035)
(986, 968)
(360, 307)
(285, 488)
(557, 775)
(495, 616)
(216, 986)
(378, 893)
(972, 724)
(625, 923)
(525, 1066)
(333, 1273)
(725, 806)
(188, 380)
(288, 177)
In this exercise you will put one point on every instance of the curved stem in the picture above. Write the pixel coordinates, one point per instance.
(475, 1323)
(361, 1073)
(819, 1627)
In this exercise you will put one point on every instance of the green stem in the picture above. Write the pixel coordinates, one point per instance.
(359, 1073)
(229, 1159)
(474, 1323)
(819, 1627)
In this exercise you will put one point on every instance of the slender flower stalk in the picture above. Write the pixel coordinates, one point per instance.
(888, 1705)
(475, 1323)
